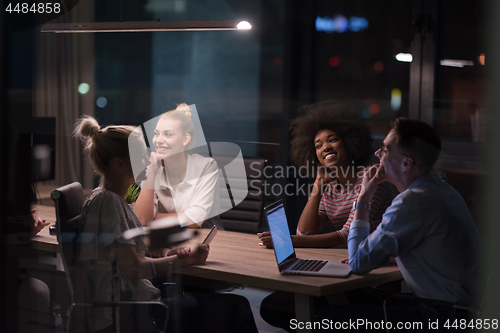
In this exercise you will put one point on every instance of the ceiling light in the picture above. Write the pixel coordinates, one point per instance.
(146, 26)
(456, 63)
(244, 25)
(404, 57)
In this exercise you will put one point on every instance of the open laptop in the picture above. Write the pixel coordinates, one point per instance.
(288, 263)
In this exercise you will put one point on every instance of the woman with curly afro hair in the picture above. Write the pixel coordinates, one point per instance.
(339, 141)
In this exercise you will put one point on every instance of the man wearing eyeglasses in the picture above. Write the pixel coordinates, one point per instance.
(427, 228)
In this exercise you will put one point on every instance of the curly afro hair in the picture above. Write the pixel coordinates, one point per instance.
(345, 122)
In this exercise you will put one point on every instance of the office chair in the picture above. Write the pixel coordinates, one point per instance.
(442, 309)
(247, 215)
(451, 310)
(68, 202)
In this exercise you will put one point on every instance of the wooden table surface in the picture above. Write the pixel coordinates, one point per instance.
(238, 258)
(43, 240)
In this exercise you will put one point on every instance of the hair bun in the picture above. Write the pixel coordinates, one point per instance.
(184, 108)
(86, 127)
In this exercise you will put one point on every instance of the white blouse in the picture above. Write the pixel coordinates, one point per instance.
(197, 195)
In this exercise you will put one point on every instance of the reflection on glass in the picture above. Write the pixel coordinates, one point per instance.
(354, 58)
(460, 110)
(183, 175)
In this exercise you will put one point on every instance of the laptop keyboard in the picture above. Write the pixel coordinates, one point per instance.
(310, 265)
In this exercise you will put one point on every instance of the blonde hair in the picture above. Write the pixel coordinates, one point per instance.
(103, 145)
(183, 114)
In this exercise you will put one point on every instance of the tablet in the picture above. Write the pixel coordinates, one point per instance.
(210, 236)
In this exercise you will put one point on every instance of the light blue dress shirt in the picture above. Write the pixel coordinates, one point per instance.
(430, 231)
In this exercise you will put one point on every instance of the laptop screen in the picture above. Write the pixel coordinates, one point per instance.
(278, 225)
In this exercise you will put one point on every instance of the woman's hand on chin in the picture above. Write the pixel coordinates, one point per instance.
(372, 177)
(155, 161)
(324, 176)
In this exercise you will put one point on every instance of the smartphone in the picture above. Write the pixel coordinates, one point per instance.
(210, 235)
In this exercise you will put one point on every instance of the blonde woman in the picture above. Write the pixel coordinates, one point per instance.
(118, 269)
(179, 183)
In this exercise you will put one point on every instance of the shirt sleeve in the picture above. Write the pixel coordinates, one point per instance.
(204, 198)
(344, 232)
(155, 204)
(380, 201)
(394, 235)
(155, 198)
(103, 224)
(322, 217)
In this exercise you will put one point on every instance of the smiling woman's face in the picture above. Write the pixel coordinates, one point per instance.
(330, 149)
(168, 138)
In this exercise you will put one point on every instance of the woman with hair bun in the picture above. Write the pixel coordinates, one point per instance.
(118, 269)
(179, 183)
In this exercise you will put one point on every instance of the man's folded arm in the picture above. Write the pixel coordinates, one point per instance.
(368, 251)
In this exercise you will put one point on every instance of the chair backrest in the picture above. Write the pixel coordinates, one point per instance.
(68, 201)
(245, 216)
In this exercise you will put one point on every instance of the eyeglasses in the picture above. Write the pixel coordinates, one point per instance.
(384, 151)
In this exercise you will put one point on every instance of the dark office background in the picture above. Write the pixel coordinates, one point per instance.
(247, 85)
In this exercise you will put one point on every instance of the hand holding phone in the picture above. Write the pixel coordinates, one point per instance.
(210, 236)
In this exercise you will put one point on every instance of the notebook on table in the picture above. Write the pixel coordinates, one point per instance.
(288, 263)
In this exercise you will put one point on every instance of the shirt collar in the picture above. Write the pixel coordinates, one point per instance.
(190, 175)
(420, 180)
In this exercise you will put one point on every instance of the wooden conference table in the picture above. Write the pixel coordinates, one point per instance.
(238, 258)
(43, 241)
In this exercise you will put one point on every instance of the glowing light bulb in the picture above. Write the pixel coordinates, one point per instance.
(101, 102)
(244, 25)
(83, 88)
(396, 99)
(481, 58)
(404, 57)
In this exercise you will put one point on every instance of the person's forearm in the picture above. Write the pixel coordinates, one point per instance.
(161, 253)
(144, 206)
(163, 215)
(183, 219)
(358, 232)
(147, 268)
(309, 217)
(162, 265)
(362, 214)
(324, 240)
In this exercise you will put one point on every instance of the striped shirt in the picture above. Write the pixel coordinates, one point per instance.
(336, 205)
